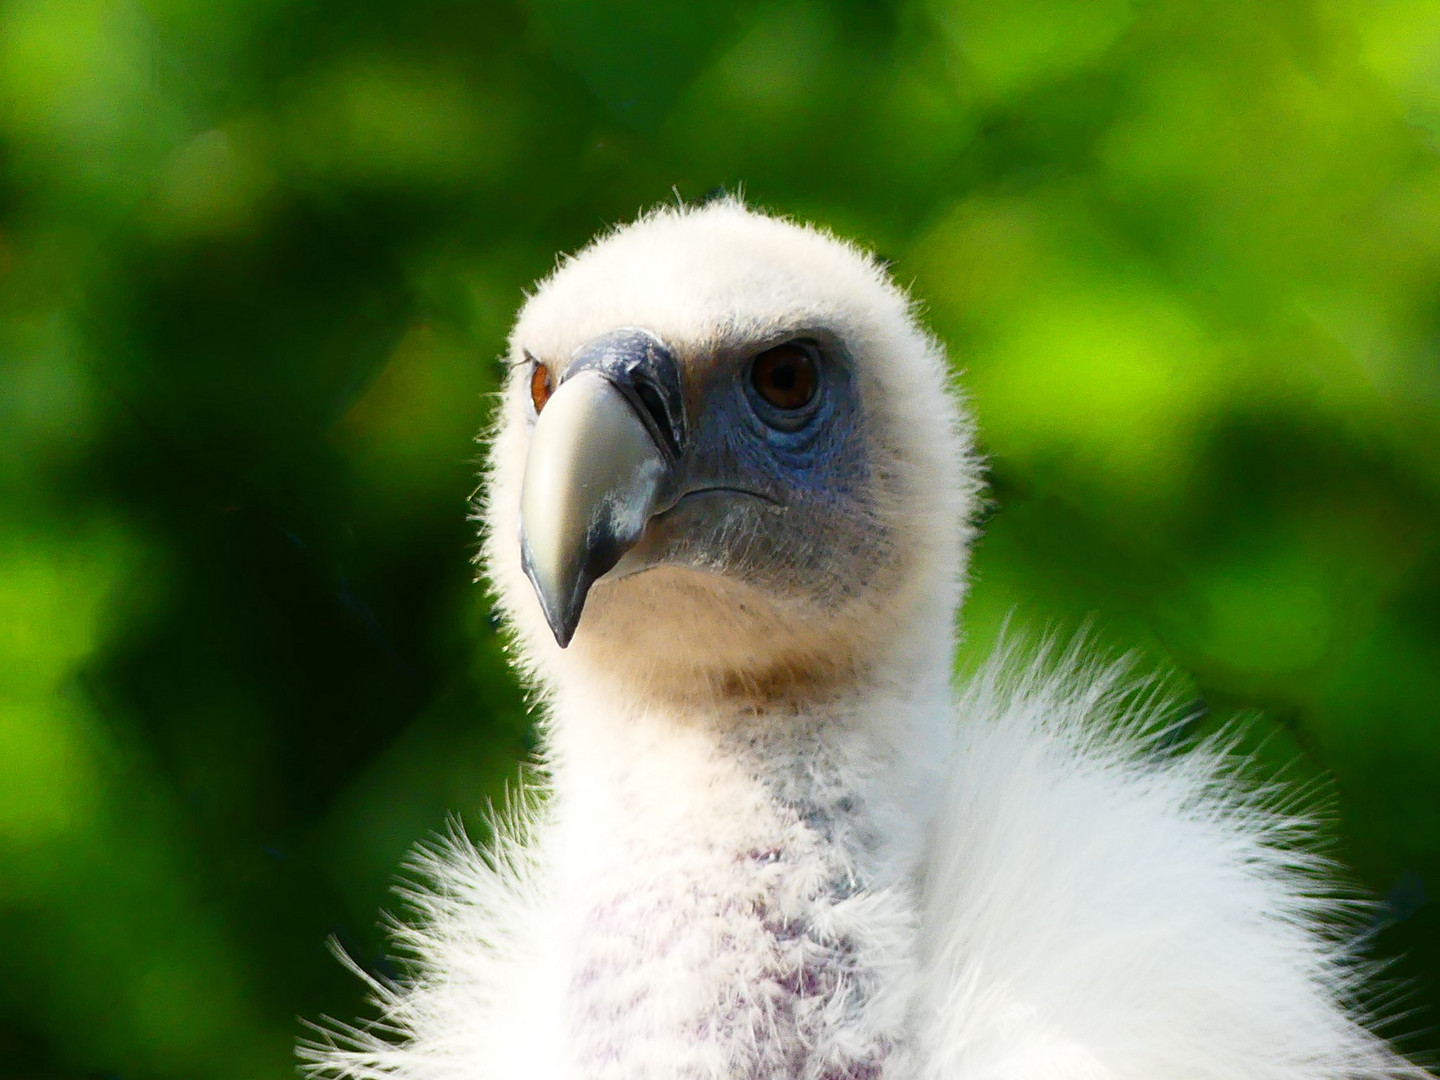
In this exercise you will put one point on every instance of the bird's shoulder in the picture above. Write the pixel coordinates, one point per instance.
(1102, 904)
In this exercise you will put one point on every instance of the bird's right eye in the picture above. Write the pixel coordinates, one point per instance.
(542, 385)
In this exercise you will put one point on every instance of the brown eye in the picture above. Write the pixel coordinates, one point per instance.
(541, 386)
(786, 377)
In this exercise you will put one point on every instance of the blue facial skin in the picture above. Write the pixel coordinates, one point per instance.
(803, 450)
(778, 500)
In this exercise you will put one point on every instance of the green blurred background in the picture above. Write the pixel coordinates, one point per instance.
(257, 258)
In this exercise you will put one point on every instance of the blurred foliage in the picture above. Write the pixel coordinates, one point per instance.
(257, 257)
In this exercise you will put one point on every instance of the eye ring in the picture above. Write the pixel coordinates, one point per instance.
(542, 385)
(784, 383)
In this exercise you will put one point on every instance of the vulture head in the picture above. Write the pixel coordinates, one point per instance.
(728, 463)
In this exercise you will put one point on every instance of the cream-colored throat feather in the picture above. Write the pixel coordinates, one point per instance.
(726, 517)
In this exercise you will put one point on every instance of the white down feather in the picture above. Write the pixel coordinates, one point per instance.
(1096, 906)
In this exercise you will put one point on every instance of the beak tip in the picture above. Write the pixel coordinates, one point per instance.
(562, 613)
(562, 625)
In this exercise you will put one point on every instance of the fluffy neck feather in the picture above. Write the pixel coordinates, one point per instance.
(741, 883)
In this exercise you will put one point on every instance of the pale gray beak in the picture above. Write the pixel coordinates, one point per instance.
(601, 464)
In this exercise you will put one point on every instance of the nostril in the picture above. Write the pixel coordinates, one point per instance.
(647, 373)
(654, 405)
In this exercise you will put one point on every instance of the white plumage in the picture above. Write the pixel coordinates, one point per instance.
(771, 839)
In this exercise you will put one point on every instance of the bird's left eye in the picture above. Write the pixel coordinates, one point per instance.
(542, 385)
(786, 377)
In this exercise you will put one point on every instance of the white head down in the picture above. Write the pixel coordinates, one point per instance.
(732, 466)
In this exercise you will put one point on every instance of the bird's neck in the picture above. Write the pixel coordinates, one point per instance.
(752, 865)
(859, 770)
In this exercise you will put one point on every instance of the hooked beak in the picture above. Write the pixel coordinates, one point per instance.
(602, 460)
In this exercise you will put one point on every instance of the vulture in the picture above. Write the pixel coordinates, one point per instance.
(727, 507)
